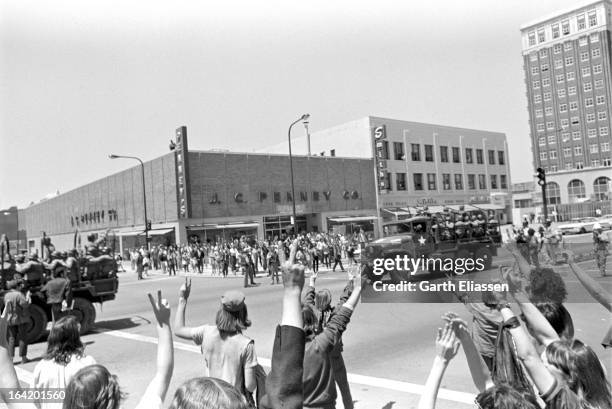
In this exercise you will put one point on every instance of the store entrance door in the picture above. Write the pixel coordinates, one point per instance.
(277, 226)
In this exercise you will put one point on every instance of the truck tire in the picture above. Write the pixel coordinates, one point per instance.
(485, 254)
(85, 313)
(37, 325)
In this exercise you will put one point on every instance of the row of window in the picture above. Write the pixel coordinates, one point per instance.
(569, 61)
(573, 106)
(562, 28)
(576, 190)
(419, 180)
(567, 46)
(569, 76)
(415, 153)
(595, 163)
(575, 121)
(576, 136)
(562, 92)
(567, 152)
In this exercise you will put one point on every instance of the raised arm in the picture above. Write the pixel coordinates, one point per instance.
(165, 349)
(180, 330)
(284, 388)
(353, 299)
(478, 368)
(539, 325)
(309, 295)
(337, 324)
(523, 265)
(447, 346)
(527, 353)
(593, 287)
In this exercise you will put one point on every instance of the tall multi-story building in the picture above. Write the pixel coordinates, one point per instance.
(418, 164)
(568, 60)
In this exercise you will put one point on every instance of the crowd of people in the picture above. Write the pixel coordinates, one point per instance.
(544, 243)
(520, 346)
(305, 359)
(247, 256)
(522, 351)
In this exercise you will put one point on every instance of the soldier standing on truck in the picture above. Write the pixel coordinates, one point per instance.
(600, 247)
(18, 315)
(59, 294)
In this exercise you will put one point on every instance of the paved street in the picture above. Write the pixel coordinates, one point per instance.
(388, 347)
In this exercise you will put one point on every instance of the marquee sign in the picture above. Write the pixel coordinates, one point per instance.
(96, 216)
(379, 134)
(302, 196)
(181, 154)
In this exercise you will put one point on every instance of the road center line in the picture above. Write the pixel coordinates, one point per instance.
(383, 383)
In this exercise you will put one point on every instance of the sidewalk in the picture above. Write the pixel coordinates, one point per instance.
(207, 272)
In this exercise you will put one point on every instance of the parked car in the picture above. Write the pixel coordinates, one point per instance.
(606, 219)
(583, 225)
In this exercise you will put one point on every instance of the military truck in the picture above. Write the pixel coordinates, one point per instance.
(432, 237)
(92, 280)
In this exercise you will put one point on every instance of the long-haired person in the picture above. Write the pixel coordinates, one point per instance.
(581, 370)
(229, 354)
(321, 300)
(65, 356)
(319, 379)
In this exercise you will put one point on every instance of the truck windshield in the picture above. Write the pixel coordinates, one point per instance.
(395, 229)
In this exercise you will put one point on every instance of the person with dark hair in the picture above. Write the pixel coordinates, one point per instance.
(546, 285)
(558, 317)
(65, 356)
(581, 370)
(229, 354)
(17, 306)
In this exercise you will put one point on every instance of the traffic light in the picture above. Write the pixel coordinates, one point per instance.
(148, 224)
(541, 175)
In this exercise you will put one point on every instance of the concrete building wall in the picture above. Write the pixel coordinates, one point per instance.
(113, 202)
(228, 185)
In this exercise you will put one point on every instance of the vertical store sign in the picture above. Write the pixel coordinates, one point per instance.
(182, 173)
(379, 134)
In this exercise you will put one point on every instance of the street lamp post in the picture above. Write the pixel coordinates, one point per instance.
(144, 192)
(302, 118)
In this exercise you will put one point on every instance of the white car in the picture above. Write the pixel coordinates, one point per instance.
(583, 225)
(606, 219)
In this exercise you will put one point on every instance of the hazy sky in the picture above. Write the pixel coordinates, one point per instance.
(81, 79)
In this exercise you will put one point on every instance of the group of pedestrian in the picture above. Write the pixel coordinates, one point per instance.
(545, 243)
(248, 257)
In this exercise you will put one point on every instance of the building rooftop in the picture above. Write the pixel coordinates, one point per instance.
(556, 15)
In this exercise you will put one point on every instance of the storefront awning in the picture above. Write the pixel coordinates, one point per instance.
(223, 226)
(129, 233)
(350, 219)
(490, 206)
(157, 232)
(396, 211)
